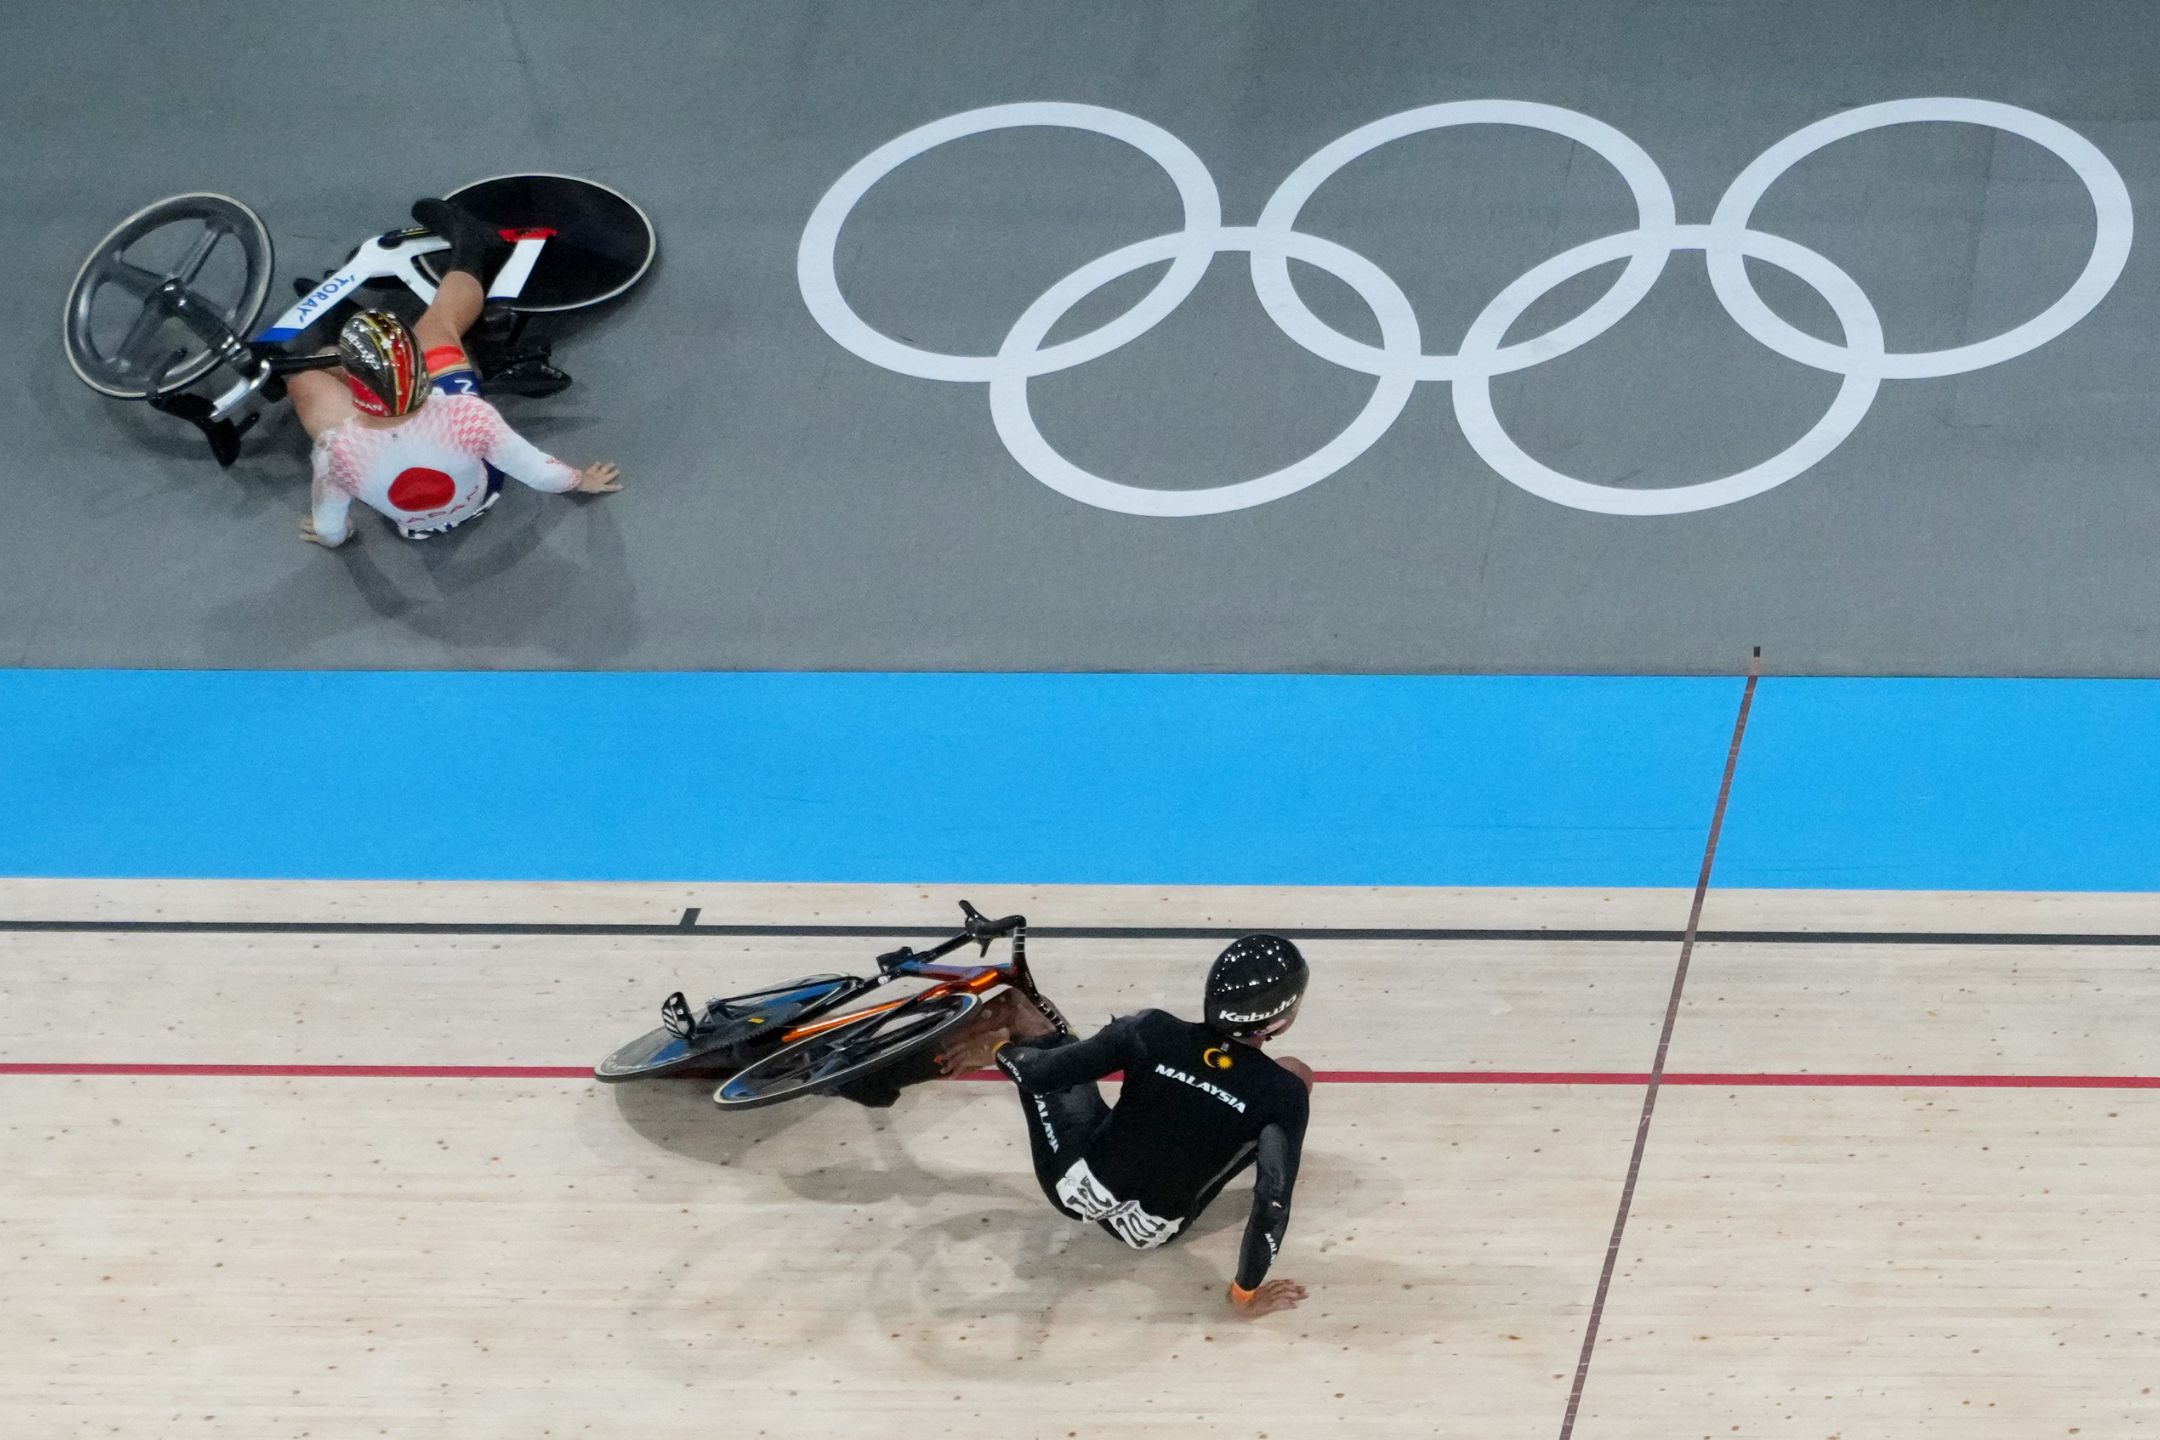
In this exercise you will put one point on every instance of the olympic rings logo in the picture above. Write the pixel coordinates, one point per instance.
(1400, 361)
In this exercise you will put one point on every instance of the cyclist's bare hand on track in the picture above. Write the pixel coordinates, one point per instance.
(599, 479)
(307, 533)
(973, 1053)
(1270, 1297)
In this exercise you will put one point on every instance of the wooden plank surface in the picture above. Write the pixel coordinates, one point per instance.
(254, 1258)
(1243, 907)
(1909, 1263)
(549, 1000)
(265, 1256)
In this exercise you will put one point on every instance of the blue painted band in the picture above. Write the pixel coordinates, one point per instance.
(1870, 784)
(1149, 779)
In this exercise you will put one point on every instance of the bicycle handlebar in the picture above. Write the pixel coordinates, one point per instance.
(978, 929)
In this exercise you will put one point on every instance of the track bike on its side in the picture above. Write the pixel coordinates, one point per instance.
(809, 1037)
(172, 295)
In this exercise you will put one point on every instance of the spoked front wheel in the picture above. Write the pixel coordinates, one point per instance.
(120, 340)
(848, 1051)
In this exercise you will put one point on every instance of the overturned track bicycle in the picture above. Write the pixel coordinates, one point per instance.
(802, 1037)
(172, 295)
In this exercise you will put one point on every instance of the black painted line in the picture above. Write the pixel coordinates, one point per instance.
(1664, 1045)
(1999, 938)
(689, 918)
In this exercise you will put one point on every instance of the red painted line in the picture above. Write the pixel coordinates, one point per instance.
(311, 1072)
(1927, 1082)
(1478, 1077)
(1433, 1077)
(1737, 1080)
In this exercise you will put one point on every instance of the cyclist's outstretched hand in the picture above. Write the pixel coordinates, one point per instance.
(972, 1053)
(1270, 1297)
(599, 479)
(307, 533)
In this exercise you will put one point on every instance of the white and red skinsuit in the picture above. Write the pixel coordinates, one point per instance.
(428, 472)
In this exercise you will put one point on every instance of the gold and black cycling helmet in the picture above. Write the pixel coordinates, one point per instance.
(383, 363)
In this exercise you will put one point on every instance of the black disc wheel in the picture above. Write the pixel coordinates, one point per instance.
(729, 1033)
(846, 1052)
(120, 340)
(601, 246)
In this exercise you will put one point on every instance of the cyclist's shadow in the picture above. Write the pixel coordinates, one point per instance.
(964, 1261)
(679, 1116)
(498, 581)
(539, 571)
(1052, 1258)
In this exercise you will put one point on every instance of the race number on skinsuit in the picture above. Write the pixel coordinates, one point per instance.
(1085, 1194)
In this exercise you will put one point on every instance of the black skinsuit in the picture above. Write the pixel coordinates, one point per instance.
(1196, 1109)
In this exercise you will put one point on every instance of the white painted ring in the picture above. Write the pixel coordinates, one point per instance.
(2110, 252)
(1481, 426)
(820, 285)
(1016, 423)
(1645, 181)
(1398, 362)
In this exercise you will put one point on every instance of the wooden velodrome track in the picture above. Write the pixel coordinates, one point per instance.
(1897, 1181)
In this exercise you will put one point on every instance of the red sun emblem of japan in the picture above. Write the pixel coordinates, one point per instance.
(422, 489)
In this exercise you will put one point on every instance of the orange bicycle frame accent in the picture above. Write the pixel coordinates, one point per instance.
(950, 978)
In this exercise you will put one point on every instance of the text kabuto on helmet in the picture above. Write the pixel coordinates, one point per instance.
(1254, 987)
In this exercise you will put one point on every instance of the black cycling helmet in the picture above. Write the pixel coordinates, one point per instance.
(1254, 986)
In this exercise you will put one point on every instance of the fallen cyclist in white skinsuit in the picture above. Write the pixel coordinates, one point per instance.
(402, 428)
(1199, 1104)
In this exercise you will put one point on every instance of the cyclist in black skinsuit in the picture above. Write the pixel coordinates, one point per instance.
(1200, 1103)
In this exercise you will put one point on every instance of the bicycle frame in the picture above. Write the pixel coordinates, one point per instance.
(382, 257)
(729, 1035)
(905, 964)
(951, 979)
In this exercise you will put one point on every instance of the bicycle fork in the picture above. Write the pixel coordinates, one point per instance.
(1026, 977)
